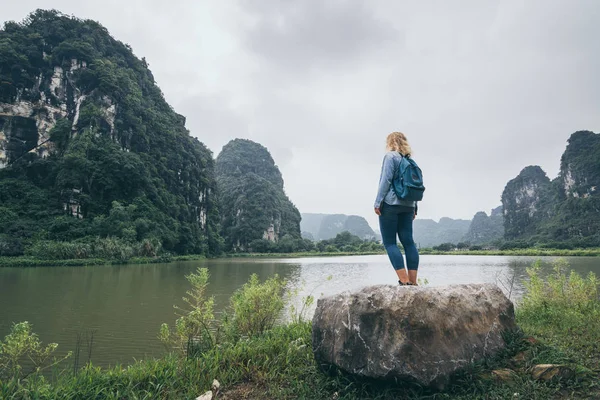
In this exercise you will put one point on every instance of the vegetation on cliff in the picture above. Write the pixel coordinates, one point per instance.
(90, 147)
(252, 200)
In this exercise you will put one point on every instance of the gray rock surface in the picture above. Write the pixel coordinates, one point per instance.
(421, 334)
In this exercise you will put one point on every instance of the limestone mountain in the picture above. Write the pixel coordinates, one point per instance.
(525, 201)
(564, 209)
(576, 195)
(327, 226)
(485, 229)
(89, 147)
(252, 200)
(428, 233)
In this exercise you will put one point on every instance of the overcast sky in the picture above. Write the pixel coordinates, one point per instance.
(481, 88)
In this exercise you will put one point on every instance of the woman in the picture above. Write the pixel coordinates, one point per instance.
(395, 215)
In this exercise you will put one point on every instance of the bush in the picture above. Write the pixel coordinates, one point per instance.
(445, 247)
(110, 248)
(255, 307)
(21, 344)
(193, 333)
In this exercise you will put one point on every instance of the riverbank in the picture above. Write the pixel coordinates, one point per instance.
(24, 261)
(533, 251)
(560, 320)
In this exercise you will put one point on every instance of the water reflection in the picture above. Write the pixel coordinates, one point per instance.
(126, 304)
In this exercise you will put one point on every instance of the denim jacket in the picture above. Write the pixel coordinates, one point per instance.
(386, 193)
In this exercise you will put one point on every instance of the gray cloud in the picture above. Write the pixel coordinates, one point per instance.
(315, 34)
(481, 88)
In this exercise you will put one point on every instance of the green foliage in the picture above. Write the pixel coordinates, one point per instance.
(10, 246)
(193, 333)
(109, 248)
(255, 307)
(21, 346)
(445, 247)
(564, 310)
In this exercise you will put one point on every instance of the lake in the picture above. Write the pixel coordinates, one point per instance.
(126, 304)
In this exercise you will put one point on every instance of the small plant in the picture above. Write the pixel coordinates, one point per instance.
(298, 315)
(21, 345)
(255, 307)
(193, 333)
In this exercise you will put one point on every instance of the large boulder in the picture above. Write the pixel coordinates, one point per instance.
(419, 334)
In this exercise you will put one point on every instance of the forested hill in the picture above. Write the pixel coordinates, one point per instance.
(561, 212)
(253, 204)
(89, 147)
(327, 226)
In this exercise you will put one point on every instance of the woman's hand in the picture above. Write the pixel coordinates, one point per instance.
(414, 216)
(377, 211)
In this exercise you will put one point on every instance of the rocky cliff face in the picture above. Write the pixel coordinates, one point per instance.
(252, 201)
(525, 202)
(580, 165)
(83, 122)
(28, 115)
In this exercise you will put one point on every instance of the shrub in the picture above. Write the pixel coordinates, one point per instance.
(21, 344)
(445, 247)
(562, 295)
(255, 307)
(193, 333)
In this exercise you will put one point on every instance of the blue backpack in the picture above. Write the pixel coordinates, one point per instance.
(408, 180)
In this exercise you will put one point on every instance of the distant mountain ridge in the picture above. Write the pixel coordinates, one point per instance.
(326, 226)
(428, 233)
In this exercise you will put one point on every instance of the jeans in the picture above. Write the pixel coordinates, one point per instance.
(394, 220)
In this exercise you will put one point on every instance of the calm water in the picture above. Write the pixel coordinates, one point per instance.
(126, 304)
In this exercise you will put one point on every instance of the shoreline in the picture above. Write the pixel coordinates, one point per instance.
(25, 261)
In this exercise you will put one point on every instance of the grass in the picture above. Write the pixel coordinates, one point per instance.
(279, 365)
(562, 314)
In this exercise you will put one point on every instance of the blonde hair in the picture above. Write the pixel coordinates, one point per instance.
(396, 141)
